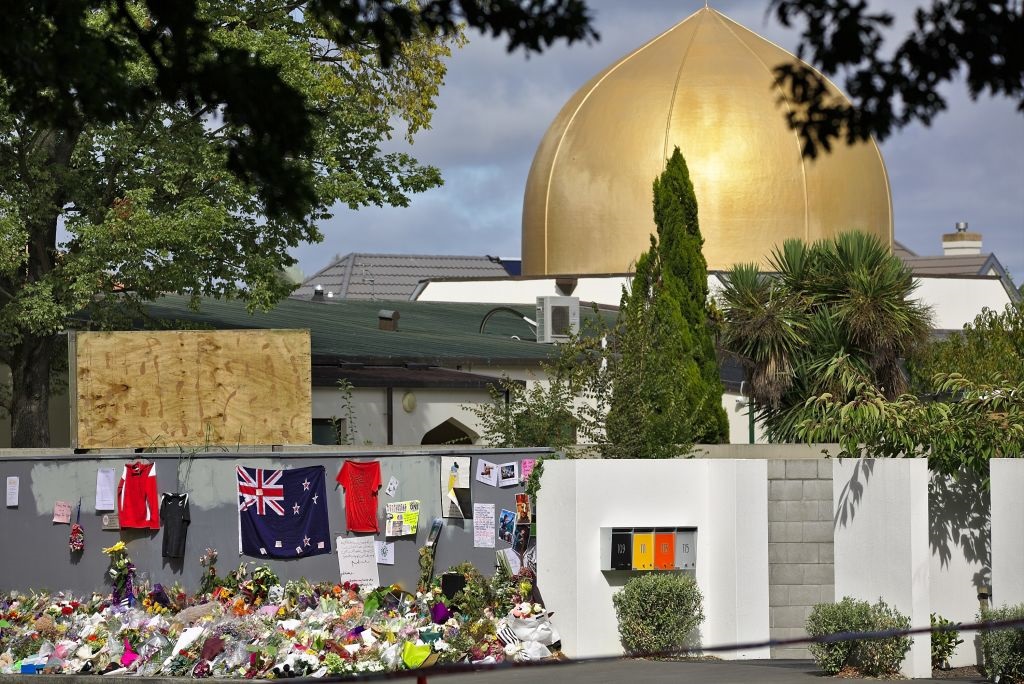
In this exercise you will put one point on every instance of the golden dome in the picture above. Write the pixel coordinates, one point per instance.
(705, 85)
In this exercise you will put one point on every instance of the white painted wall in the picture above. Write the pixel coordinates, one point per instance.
(881, 541)
(1007, 478)
(725, 499)
(960, 561)
(736, 408)
(956, 301)
(369, 405)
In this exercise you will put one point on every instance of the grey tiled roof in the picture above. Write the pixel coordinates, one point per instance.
(968, 264)
(902, 251)
(393, 276)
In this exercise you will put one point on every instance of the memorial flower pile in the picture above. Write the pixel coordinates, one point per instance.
(248, 624)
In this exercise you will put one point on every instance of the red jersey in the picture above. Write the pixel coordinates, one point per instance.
(361, 481)
(137, 503)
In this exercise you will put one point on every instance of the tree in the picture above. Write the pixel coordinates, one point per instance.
(150, 197)
(846, 298)
(991, 346)
(978, 40)
(665, 387)
(65, 64)
(973, 422)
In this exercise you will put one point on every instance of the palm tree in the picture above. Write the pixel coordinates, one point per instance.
(844, 299)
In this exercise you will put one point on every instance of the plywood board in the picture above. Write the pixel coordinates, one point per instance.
(191, 388)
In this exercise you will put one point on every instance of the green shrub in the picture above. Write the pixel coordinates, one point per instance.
(880, 657)
(657, 612)
(1004, 648)
(870, 657)
(848, 615)
(944, 642)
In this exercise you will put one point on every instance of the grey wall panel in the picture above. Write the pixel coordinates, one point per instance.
(35, 550)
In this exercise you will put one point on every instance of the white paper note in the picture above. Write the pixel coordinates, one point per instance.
(385, 552)
(62, 512)
(392, 487)
(13, 486)
(357, 561)
(483, 526)
(106, 489)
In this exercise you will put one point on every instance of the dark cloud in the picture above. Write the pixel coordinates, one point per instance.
(495, 107)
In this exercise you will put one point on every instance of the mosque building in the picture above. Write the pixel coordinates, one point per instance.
(705, 85)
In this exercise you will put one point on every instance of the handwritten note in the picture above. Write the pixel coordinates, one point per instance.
(13, 486)
(62, 512)
(483, 526)
(106, 489)
(357, 561)
(392, 487)
(385, 552)
(526, 467)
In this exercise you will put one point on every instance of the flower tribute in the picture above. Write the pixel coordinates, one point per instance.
(247, 624)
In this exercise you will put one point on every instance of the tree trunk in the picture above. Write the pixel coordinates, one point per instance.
(30, 398)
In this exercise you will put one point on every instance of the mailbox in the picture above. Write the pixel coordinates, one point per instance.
(648, 548)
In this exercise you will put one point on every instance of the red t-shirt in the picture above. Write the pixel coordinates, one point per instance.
(361, 480)
(137, 505)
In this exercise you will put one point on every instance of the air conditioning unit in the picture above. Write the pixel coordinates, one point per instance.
(557, 318)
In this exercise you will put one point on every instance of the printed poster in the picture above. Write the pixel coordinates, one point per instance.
(508, 474)
(487, 472)
(357, 561)
(402, 518)
(456, 501)
(392, 487)
(106, 489)
(506, 525)
(483, 526)
(13, 487)
(385, 552)
(522, 508)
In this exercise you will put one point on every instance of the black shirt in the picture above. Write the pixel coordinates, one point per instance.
(174, 517)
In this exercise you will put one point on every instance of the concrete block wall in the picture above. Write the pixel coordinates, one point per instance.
(801, 571)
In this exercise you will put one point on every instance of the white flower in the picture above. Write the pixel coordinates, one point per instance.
(511, 649)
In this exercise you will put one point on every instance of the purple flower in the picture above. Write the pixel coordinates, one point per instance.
(439, 613)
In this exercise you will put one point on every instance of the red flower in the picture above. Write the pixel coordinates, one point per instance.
(346, 586)
(67, 610)
(354, 587)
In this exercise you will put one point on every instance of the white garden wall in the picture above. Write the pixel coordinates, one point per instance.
(881, 541)
(1007, 490)
(725, 499)
(960, 562)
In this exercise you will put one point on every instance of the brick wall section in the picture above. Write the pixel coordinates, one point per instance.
(800, 564)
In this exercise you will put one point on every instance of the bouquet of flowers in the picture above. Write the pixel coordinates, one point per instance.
(122, 574)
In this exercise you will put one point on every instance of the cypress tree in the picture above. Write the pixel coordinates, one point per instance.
(666, 390)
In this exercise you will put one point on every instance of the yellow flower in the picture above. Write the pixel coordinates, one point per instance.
(119, 546)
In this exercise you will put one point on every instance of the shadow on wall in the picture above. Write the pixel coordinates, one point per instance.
(852, 493)
(958, 517)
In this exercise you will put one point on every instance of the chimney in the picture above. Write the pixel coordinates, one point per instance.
(318, 293)
(387, 319)
(962, 242)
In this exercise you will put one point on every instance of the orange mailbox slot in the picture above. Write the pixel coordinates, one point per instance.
(643, 550)
(664, 550)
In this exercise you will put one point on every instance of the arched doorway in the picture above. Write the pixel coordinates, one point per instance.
(450, 431)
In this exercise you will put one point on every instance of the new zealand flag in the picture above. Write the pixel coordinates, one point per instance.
(282, 513)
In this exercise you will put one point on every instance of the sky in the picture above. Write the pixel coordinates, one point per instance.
(495, 107)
